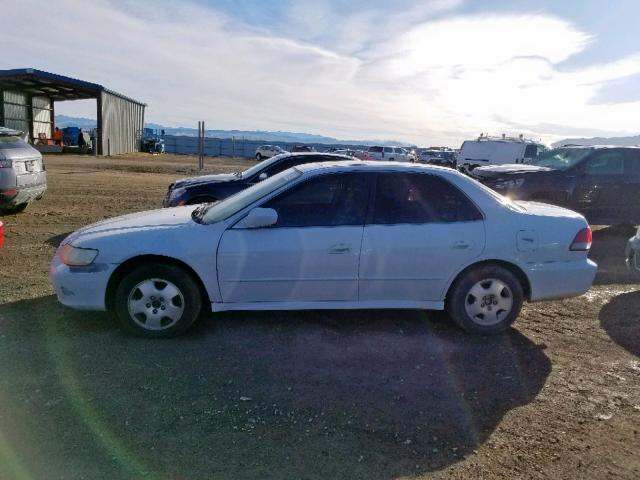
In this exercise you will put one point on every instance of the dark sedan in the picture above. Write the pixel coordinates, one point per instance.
(211, 188)
(603, 183)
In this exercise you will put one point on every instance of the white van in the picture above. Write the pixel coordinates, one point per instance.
(487, 150)
(391, 154)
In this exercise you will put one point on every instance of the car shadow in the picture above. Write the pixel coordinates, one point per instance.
(56, 240)
(321, 394)
(620, 318)
(607, 251)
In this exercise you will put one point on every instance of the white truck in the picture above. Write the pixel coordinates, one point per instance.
(487, 150)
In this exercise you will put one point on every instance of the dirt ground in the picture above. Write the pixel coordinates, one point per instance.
(327, 395)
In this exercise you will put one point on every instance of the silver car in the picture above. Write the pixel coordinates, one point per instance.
(22, 173)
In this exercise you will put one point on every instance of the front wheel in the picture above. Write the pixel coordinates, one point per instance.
(258, 157)
(157, 300)
(485, 300)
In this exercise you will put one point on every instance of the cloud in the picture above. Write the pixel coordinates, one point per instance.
(425, 73)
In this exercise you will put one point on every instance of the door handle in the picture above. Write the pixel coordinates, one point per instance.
(460, 245)
(339, 248)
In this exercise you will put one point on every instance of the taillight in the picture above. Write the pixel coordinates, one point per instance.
(582, 241)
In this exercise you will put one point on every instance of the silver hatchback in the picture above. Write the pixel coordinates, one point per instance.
(22, 173)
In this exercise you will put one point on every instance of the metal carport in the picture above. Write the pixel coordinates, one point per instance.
(27, 103)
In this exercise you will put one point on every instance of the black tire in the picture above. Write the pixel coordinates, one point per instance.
(258, 157)
(487, 280)
(13, 210)
(190, 301)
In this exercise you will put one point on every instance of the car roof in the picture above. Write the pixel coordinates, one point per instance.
(599, 147)
(373, 166)
(9, 131)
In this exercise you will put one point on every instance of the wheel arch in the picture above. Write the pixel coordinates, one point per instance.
(512, 267)
(134, 262)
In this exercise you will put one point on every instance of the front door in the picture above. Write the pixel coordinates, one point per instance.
(421, 231)
(310, 255)
(599, 188)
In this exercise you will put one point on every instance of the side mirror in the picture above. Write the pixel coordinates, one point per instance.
(258, 218)
(263, 176)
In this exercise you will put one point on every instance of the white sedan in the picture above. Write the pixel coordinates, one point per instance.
(330, 236)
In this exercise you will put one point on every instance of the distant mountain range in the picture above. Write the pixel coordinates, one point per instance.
(617, 141)
(266, 136)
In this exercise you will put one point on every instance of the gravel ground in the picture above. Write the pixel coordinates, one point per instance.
(369, 394)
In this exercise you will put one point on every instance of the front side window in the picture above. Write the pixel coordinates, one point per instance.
(216, 212)
(420, 198)
(283, 165)
(530, 151)
(325, 201)
(606, 163)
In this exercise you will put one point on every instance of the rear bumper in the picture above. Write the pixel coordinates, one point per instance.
(82, 288)
(561, 279)
(631, 255)
(10, 197)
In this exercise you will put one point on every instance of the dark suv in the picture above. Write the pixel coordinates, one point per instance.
(603, 183)
(211, 188)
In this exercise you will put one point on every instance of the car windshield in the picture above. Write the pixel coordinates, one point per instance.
(561, 158)
(215, 212)
(249, 172)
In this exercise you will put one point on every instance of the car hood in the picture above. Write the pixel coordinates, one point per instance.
(149, 220)
(220, 178)
(493, 171)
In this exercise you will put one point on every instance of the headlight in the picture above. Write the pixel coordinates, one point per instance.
(509, 184)
(77, 257)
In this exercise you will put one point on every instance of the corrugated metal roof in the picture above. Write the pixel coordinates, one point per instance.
(58, 87)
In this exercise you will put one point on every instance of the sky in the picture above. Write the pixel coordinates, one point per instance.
(431, 72)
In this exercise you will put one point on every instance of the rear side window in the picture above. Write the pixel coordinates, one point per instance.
(420, 198)
(375, 149)
(388, 150)
(606, 163)
(326, 201)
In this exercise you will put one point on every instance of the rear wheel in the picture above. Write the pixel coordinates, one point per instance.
(13, 210)
(157, 300)
(258, 157)
(485, 300)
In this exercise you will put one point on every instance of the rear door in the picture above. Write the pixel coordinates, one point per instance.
(599, 191)
(420, 231)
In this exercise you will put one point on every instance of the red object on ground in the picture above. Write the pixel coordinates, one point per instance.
(1, 235)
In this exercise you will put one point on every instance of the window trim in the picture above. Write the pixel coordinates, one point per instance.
(372, 197)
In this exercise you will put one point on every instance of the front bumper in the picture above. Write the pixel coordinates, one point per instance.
(631, 255)
(82, 288)
(561, 279)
